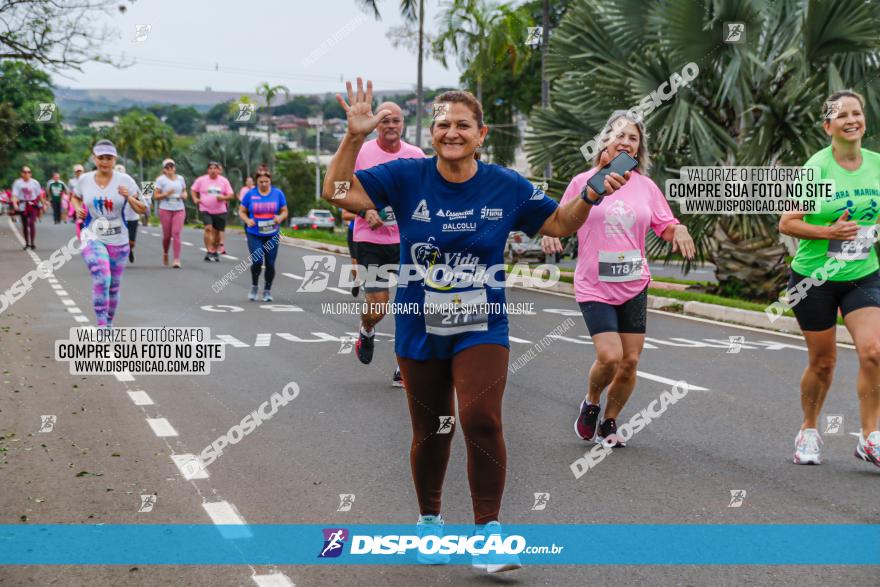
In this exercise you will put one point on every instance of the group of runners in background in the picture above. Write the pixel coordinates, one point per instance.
(403, 207)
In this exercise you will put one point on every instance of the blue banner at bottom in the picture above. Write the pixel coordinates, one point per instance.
(360, 544)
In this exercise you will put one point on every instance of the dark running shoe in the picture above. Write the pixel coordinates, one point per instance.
(355, 291)
(397, 379)
(208, 257)
(585, 425)
(130, 256)
(364, 348)
(608, 434)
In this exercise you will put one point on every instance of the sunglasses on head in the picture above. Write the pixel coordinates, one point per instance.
(169, 165)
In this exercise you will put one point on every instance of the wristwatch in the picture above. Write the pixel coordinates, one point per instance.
(586, 198)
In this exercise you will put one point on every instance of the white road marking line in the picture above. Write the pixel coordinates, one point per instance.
(276, 579)
(190, 466)
(339, 290)
(264, 339)
(292, 276)
(225, 515)
(80, 318)
(74, 310)
(56, 286)
(140, 398)
(161, 427)
(855, 433)
(61, 292)
(230, 257)
(68, 302)
(229, 339)
(658, 379)
(123, 376)
(515, 339)
(568, 339)
(186, 243)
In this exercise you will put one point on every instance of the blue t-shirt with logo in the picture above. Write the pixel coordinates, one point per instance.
(450, 235)
(263, 210)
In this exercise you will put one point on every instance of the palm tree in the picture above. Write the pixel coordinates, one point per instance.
(269, 92)
(238, 154)
(142, 137)
(466, 37)
(754, 103)
(412, 11)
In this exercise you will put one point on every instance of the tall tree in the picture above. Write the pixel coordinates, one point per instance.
(753, 103)
(269, 92)
(142, 138)
(413, 11)
(57, 35)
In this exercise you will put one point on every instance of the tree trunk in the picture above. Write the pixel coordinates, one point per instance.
(752, 268)
(419, 94)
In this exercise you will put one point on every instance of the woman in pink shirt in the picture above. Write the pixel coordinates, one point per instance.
(612, 276)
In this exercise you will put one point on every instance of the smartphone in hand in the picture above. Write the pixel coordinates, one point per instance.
(619, 165)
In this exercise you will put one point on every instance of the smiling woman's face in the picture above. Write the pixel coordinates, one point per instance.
(627, 139)
(849, 122)
(455, 134)
(105, 163)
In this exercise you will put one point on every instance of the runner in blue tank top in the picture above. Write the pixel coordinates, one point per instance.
(454, 215)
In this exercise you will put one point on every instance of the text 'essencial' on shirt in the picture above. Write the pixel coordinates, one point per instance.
(856, 192)
(617, 227)
(208, 190)
(177, 185)
(370, 155)
(263, 209)
(453, 225)
(106, 202)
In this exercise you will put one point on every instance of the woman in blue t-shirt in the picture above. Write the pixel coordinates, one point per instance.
(454, 215)
(263, 209)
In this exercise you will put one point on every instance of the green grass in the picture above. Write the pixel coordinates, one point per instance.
(322, 236)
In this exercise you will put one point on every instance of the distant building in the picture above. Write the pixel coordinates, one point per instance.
(101, 124)
(216, 128)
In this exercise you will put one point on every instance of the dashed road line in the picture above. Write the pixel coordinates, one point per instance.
(161, 427)
(190, 466)
(276, 579)
(140, 398)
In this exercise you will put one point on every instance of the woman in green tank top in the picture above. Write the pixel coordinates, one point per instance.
(835, 269)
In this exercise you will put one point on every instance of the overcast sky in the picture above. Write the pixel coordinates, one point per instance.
(233, 45)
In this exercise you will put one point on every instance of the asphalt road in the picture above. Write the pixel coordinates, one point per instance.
(348, 431)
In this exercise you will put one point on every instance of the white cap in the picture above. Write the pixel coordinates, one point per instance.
(104, 147)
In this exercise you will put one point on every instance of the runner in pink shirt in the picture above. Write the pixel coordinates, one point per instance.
(612, 276)
(211, 192)
(376, 235)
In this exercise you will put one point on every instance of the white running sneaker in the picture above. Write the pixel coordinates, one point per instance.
(869, 449)
(494, 562)
(806, 447)
(431, 526)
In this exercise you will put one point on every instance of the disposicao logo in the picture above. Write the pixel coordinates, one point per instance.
(334, 540)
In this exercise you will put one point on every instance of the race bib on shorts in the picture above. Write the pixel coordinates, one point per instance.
(448, 313)
(854, 250)
(620, 265)
(266, 226)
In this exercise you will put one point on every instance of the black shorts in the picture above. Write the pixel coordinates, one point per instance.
(132, 230)
(629, 317)
(218, 221)
(371, 254)
(352, 246)
(817, 308)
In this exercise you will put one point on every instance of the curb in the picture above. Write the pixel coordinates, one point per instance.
(783, 324)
